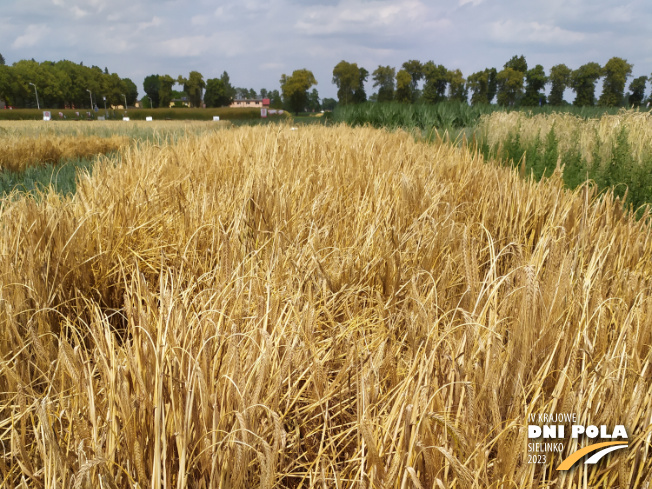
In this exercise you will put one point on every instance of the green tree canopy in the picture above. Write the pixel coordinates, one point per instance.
(637, 87)
(383, 77)
(230, 91)
(313, 101)
(194, 86)
(23, 72)
(510, 86)
(51, 81)
(403, 87)
(152, 85)
(560, 79)
(517, 63)
(510, 81)
(415, 69)
(112, 87)
(360, 95)
(245, 93)
(60, 84)
(615, 74)
(583, 83)
(436, 81)
(535, 81)
(457, 89)
(216, 93)
(130, 91)
(78, 78)
(4, 83)
(165, 90)
(493, 84)
(275, 100)
(328, 103)
(295, 89)
(346, 76)
(479, 84)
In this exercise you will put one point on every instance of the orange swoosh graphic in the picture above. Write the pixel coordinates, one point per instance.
(568, 462)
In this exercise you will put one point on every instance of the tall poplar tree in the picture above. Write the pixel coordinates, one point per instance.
(384, 79)
(583, 82)
(615, 74)
(560, 78)
(346, 76)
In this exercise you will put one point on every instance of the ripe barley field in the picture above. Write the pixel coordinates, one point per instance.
(157, 131)
(37, 154)
(20, 153)
(322, 307)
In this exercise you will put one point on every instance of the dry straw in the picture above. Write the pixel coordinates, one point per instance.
(325, 307)
(18, 153)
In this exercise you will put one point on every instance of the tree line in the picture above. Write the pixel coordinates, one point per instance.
(220, 92)
(514, 85)
(65, 84)
(62, 84)
(68, 84)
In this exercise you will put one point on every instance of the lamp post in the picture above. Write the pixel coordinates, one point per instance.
(106, 113)
(125, 101)
(38, 105)
(91, 95)
(151, 104)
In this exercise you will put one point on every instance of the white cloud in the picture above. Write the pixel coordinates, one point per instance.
(509, 31)
(199, 20)
(32, 36)
(78, 13)
(118, 45)
(99, 5)
(272, 66)
(254, 5)
(155, 22)
(80, 8)
(619, 14)
(241, 11)
(362, 16)
(228, 44)
(183, 47)
(475, 3)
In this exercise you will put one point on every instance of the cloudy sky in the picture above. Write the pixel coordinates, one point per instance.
(258, 40)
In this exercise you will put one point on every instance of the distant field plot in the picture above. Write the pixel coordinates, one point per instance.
(317, 307)
(72, 115)
(445, 115)
(35, 154)
(613, 150)
(135, 130)
(609, 146)
(19, 153)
